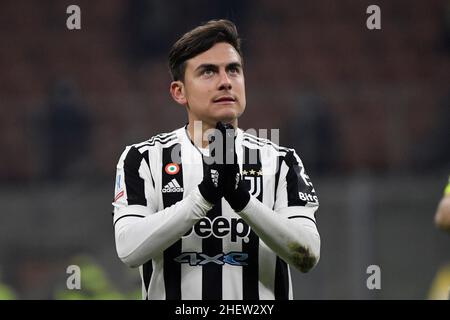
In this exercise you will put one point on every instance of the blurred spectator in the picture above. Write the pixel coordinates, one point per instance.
(310, 130)
(445, 29)
(440, 287)
(432, 151)
(149, 28)
(153, 25)
(6, 293)
(442, 216)
(67, 131)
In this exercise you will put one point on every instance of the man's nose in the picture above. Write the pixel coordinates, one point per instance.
(225, 83)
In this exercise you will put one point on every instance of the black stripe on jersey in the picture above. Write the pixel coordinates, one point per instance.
(250, 272)
(172, 269)
(294, 181)
(212, 272)
(133, 182)
(146, 158)
(293, 217)
(147, 271)
(281, 280)
(211, 246)
(128, 215)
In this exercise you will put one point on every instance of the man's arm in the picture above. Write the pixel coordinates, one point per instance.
(289, 230)
(140, 232)
(442, 216)
(139, 239)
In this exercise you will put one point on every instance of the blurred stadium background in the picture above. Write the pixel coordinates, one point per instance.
(368, 112)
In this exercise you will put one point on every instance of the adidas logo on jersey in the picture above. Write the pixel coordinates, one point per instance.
(172, 186)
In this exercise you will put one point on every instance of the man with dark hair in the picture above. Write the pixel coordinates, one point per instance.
(208, 211)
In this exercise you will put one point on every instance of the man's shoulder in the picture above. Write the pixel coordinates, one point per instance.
(254, 141)
(158, 140)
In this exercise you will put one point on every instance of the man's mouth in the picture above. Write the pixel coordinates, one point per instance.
(224, 99)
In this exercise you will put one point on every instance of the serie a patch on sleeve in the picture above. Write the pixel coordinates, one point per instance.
(119, 188)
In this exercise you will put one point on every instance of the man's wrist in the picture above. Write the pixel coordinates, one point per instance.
(208, 193)
(201, 200)
(238, 199)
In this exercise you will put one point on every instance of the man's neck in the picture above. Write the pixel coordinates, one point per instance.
(196, 130)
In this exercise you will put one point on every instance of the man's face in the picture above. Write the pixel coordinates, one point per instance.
(214, 85)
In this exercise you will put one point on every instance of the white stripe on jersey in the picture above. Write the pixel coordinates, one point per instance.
(157, 280)
(191, 285)
(175, 182)
(281, 197)
(267, 262)
(144, 289)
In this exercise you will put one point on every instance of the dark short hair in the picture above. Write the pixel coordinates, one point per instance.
(199, 40)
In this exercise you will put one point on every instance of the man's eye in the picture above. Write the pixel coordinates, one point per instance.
(234, 70)
(208, 72)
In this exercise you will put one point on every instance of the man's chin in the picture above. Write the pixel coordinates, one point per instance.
(227, 117)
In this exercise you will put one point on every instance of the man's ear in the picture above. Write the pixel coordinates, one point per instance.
(178, 92)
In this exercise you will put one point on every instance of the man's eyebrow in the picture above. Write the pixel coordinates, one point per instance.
(234, 65)
(206, 66)
(215, 66)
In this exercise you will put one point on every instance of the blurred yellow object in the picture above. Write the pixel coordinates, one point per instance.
(95, 285)
(440, 287)
(447, 188)
(6, 293)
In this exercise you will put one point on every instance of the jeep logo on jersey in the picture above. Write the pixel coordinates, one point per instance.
(172, 186)
(220, 227)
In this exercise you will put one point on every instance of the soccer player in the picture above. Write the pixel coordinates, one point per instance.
(440, 287)
(442, 216)
(221, 216)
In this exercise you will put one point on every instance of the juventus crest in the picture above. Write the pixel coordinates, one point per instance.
(254, 179)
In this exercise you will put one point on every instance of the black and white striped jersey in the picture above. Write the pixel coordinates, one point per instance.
(220, 256)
